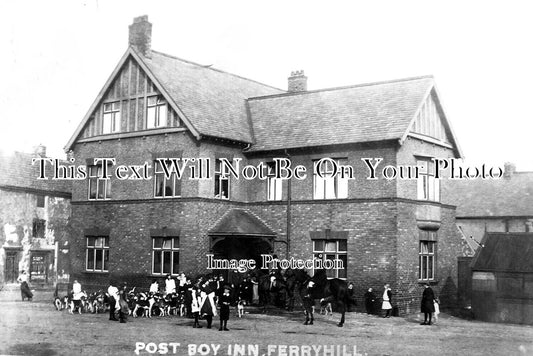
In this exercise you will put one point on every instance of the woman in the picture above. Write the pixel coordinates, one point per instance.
(427, 304)
(25, 291)
(387, 299)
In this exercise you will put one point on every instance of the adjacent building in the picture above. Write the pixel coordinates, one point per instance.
(34, 217)
(156, 107)
(502, 278)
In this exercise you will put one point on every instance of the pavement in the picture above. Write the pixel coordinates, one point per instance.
(36, 328)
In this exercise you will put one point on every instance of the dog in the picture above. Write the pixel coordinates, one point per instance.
(325, 308)
(143, 303)
(58, 303)
(240, 307)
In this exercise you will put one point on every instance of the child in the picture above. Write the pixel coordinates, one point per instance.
(224, 302)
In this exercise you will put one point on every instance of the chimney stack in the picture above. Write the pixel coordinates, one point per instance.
(141, 35)
(297, 81)
(40, 150)
(509, 169)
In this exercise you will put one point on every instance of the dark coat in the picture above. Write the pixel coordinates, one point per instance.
(428, 297)
(224, 302)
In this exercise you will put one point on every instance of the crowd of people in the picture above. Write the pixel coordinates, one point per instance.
(201, 298)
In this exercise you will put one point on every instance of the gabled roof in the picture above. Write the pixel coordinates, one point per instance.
(212, 100)
(17, 172)
(361, 113)
(510, 196)
(238, 222)
(505, 252)
(217, 104)
(209, 101)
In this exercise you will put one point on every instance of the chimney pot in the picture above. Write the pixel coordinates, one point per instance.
(297, 81)
(140, 35)
(40, 150)
(509, 169)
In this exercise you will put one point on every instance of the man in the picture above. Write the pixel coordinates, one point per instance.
(427, 304)
(370, 300)
(112, 291)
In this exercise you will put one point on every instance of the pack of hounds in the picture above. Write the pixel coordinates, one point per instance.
(145, 304)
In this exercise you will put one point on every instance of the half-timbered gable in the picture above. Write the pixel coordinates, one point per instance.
(131, 103)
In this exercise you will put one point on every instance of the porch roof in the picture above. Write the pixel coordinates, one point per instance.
(240, 222)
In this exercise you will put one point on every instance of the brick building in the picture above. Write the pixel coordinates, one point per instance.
(488, 205)
(156, 106)
(34, 217)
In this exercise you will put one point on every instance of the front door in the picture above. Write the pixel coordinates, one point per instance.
(11, 267)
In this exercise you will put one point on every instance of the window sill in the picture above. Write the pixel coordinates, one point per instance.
(96, 272)
(431, 282)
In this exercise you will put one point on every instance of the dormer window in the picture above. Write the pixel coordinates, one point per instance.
(156, 112)
(111, 118)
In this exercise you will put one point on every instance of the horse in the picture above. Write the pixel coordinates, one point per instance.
(322, 288)
(278, 291)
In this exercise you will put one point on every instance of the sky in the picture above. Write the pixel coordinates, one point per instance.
(57, 55)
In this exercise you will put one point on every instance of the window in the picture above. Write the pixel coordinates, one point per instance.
(426, 260)
(111, 117)
(97, 254)
(163, 187)
(332, 250)
(99, 187)
(40, 201)
(39, 228)
(156, 112)
(221, 180)
(274, 187)
(428, 186)
(329, 186)
(165, 255)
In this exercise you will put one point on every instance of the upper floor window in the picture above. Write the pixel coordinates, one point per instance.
(40, 201)
(156, 112)
(111, 117)
(97, 254)
(428, 185)
(274, 185)
(99, 187)
(165, 255)
(332, 250)
(165, 187)
(39, 228)
(330, 185)
(221, 180)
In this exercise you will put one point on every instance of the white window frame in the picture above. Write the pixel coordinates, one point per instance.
(156, 112)
(274, 185)
(329, 187)
(427, 260)
(336, 252)
(173, 249)
(428, 187)
(102, 184)
(111, 119)
(220, 178)
(101, 248)
(159, 175)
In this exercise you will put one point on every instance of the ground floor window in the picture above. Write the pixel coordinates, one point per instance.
(97, 254)
(426, 260)
(165, 255)
(332, 250)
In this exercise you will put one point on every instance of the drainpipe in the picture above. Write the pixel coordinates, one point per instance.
(288, 211)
